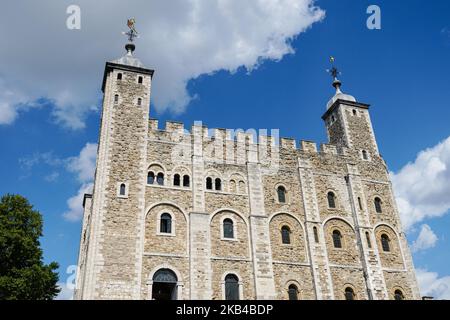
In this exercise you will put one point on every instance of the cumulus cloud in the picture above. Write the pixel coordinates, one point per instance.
(180, 39)
(422, 188)
(431, 285)
(83, 166)
(426, 239)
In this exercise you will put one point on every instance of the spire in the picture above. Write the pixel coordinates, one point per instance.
(334, 72)
(129, 59)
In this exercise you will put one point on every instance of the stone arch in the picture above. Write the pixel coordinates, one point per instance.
(394, 257)
(179, 284)
(295, 252)
(240, 283)
(349, 253)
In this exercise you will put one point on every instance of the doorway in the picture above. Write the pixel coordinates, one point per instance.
(164, 285)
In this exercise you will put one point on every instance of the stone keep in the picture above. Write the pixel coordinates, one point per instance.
(202, 179)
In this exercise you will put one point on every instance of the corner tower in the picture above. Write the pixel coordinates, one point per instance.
(110, 251)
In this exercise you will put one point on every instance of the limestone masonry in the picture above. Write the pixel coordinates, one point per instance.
(186, 214)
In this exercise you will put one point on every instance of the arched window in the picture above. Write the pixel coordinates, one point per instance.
(385, 243)
(122, 190)
(364, 155)
(285, 235)
(232, 186)
(316, 235)
(140, 79)
(218, 184)
(139, 102)
(369, 244)
(281, 191)
(186, 181)
(231, 287)
(166, 223)
(228, 230)
(150, 177)
(176, 180)
(398, 295)
(293, 292)
(208, 183)
(377, 203)
(119, 76)
(164, 285)
(116, 99)
(337, 237)
(354, 112)
(360, 203)
(349, 294)
(331, 200)
(160, 179)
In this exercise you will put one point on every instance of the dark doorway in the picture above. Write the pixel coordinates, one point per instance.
(164, 285)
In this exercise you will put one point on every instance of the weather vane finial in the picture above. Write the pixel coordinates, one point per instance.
(334, 72)
(132, 33)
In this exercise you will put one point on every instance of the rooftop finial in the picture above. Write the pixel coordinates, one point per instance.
(334, 72)
(132, 34)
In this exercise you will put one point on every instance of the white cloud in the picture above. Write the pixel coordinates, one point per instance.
(65, 293)
(84, 164)
(422, 188)
(426, 239)
(180, 39)
(431, 285)
(84, 167)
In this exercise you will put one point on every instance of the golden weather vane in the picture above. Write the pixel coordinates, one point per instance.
(132, 33)
(334, 72)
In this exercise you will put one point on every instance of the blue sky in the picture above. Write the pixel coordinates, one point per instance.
(402, 70)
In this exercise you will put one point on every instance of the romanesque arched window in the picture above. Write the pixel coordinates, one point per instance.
(331, 200)
(349, 294)
(281, 192)
(398, 295)
(116, 99)
(218, 184)
(123, 189)
(165, 223)
(186, 181)
(150, 177)
(140, 79)
(360, 203)
(369, 244)
(337, 239)
(365, 155)
(242, 187)
(377, 203)
(285, 235)
(316, 235)
(231, 287)
(176, 180)
(208, 183)
(385, 243)
(228, 229)
(293, 292)
(119, 76)
(160, 179)
(139, 102)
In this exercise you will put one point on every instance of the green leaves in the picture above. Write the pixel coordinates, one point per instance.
(22, 273)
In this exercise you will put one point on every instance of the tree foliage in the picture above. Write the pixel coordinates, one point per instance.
(23, 275)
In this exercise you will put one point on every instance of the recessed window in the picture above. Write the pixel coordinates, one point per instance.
(150, 177)
(119, 76)
(160, 179)
(281, 192)
(140, 79)
(337, 239)
(365, 155)
(208, 183)
(176, 180)
(116, 99)
(123, 189)
(218, 184)
(186, 181)
(293, 292)
(385, 243)
(354, 112)
(228, 230)
(316, 235)
(377, 203)
(166, 223)
(231, 287)
(360, 203)
(369, 244)
(349, 294)
(285, 235)
(398, 295)
(139, 102)
(331, 200)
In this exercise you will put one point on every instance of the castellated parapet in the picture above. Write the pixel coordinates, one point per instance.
(196, 213)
